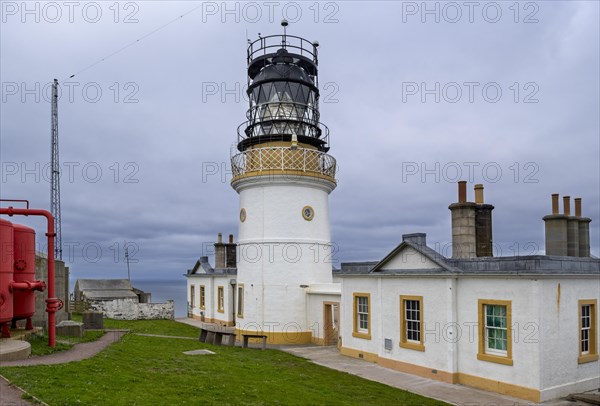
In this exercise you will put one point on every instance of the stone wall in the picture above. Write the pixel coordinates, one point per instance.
(131, 309)
(61, 286)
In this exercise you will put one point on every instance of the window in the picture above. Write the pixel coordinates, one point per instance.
(411, 322)
(220, 299)
(202, 297)
(240, 301)
(588, 331)
(192, 296)
(495, 333)
(362, 316)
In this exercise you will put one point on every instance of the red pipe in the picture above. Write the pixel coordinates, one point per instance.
(37, 285)
(53, 304)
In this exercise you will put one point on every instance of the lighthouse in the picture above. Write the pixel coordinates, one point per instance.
(283, 174)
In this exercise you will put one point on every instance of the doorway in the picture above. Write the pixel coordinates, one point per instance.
(331, 323)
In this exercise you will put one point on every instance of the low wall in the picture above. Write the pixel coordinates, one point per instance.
(130, 309)
(61, 286)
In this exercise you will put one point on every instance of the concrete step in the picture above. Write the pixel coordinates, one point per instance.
(12, 350)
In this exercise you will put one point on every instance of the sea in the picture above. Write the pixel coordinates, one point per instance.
(165, 289)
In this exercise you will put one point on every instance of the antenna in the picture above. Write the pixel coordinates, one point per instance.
(284, 24)
(127, 260)
(55, 172)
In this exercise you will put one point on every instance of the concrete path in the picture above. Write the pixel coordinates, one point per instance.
(454, 394)
(77, 353)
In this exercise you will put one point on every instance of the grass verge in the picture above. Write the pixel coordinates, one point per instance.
(145, 370)
(39, 344)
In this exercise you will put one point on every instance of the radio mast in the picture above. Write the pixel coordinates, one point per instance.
(55, 173)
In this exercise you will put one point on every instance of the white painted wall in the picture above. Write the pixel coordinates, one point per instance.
(561, 374)
(211, 284)
(279, 251)
(385, 318)
(523, 294)
(409, 258)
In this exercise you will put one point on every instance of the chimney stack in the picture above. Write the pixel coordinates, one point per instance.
(479, 193)
(556, 230)
(225, 253)
(584, 230)
(462, 191)
(483, 224)
(555, 208)
(567, 205)
(219, 252)
(231, 260)
(464, 240)
(578, 207)
(572, 229)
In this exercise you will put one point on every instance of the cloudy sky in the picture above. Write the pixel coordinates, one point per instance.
(416, 97)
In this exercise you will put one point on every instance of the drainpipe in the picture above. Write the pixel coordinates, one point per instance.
(53, 304)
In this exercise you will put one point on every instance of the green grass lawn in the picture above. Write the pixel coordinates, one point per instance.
(141, 370)
(39, 344)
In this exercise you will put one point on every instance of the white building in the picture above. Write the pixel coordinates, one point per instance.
(521, 326)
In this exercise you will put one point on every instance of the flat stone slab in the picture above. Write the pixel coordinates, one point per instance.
(13, 350)
(198, 352)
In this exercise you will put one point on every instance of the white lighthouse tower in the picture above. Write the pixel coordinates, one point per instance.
(283, 175)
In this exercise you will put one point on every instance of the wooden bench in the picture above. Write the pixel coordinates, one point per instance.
(210, 335)
(248, 336)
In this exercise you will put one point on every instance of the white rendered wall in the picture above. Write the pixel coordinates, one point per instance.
(561, 374)
(410, 258)
(385, 318)
(279, 251)
(524, 296)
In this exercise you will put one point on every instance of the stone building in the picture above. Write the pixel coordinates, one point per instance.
(118, 299)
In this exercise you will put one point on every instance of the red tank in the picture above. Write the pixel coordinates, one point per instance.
(6, 276)
(24, 271)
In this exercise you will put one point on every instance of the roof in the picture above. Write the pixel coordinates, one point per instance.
(105, 288)
(109, 294)
(103, 284)
(203, 268)
(438, 265)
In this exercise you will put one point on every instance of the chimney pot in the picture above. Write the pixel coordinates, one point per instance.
(555, 203)
(479, 193)
(567, 205)
(230, 238)
(578, 207)
(220, 238)
(462, 191)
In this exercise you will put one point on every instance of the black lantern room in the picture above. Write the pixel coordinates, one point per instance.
(283, 93)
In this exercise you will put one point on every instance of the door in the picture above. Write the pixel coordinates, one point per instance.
(331, 317)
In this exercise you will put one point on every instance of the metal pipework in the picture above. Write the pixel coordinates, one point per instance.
(37, 285)
(53, 304)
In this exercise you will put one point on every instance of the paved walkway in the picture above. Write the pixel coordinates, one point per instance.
(77, 353)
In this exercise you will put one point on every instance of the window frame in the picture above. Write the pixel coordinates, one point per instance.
(240, 301)
(490, 356)
(592, 354)
(404, 341)
(221, 299)
(202, 297)
(356, 332)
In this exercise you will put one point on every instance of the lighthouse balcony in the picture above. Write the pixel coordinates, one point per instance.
(286, 160)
